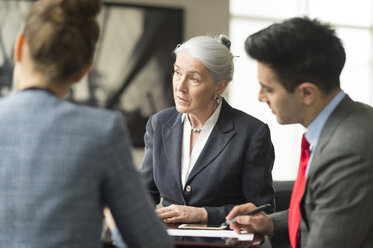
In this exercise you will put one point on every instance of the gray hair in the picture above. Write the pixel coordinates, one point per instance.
(214, 53)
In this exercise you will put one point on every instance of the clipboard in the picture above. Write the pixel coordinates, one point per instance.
(202, 227)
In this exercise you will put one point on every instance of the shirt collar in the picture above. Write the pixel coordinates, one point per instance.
(315, 127)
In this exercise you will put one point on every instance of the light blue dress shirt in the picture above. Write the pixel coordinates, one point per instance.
(315, 127)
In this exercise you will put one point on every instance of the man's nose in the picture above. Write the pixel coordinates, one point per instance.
(261, 96)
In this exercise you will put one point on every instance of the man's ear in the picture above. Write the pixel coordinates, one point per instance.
(221, 87)
(308, 92)
(18, 46)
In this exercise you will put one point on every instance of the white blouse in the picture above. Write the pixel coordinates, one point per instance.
(187, 162)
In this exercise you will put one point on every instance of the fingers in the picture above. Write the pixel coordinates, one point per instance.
(236, 227)
(240, 209)
(176, 219)
(259, 223)
(244, 219)
(163, 210)
(172, 213)
(166, 212)
(243, 223)
(182, 214)
(247, 223)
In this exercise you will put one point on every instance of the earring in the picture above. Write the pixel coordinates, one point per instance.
(216, 97)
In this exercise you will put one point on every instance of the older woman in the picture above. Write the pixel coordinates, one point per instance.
(203, 156)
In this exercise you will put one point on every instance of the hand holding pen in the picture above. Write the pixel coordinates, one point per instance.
(252, 222)
(255, 211)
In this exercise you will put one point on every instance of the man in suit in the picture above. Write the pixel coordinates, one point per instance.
(299, 64)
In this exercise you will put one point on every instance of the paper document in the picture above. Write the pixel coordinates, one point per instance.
(211, 233)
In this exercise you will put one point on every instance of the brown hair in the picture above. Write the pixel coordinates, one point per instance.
(62, 35)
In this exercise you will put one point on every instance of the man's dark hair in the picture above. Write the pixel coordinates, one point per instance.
(300, 50)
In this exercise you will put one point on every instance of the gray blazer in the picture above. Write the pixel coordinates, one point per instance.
(60, 163)
(337, 206)
(233, 168)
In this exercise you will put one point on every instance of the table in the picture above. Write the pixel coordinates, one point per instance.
(184, 242)
(190, 242)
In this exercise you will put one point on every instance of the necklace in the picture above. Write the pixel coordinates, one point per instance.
(195, 130)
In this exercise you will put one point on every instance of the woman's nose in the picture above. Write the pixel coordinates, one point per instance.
(181, 84)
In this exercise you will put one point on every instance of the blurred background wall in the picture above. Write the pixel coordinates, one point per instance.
(201, 16)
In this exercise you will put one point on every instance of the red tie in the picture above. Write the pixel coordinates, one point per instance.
(298, 190)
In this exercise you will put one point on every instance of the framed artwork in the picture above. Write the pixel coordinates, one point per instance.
(133, 60)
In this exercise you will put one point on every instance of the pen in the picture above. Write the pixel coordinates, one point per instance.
(255, 211)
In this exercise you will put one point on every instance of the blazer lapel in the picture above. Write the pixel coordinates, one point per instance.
(172, 133)
(218, 139)
(340, 112)
(343, 109)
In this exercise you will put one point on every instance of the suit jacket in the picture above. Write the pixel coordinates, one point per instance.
(336, 208)
(233, 168)
(60, 163)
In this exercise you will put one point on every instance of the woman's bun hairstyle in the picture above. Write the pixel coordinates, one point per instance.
(62, 37)
(225, 41)
(81, 8)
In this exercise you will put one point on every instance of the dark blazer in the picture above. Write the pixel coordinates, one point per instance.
(336, 208)
(233, 168)
(60, 163)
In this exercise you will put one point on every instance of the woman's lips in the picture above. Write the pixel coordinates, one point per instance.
(182, 100)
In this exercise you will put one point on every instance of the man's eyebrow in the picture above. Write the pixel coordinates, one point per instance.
(264, 86)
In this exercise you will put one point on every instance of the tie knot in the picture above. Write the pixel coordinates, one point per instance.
(305, 144)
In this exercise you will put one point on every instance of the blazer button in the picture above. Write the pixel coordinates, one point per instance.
(188, 188)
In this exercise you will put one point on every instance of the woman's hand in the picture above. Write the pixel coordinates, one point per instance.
(182, 214)
(259, 223)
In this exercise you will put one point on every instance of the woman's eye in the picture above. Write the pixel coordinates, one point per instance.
(194, 80)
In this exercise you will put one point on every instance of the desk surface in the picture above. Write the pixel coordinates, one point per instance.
(184, 242)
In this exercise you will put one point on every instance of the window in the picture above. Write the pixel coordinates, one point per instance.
(356, 32)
